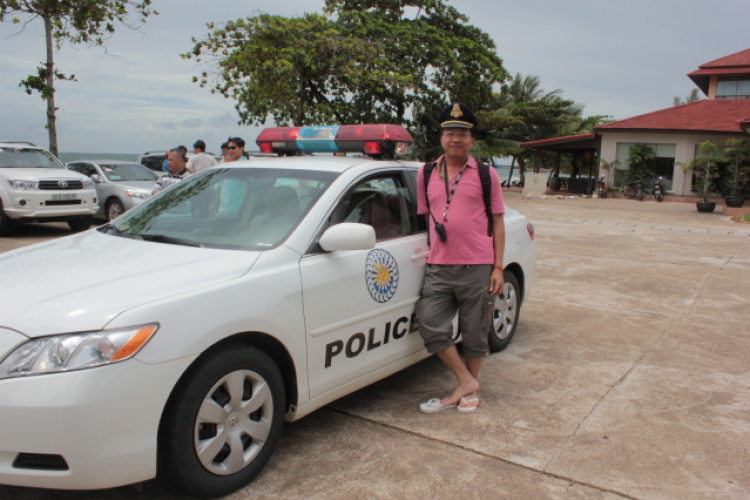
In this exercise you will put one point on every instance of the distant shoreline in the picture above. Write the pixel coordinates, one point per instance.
(66, 157)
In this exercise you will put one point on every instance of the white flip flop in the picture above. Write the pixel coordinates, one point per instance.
(433, 406)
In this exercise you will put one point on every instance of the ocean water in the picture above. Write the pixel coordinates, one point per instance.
(502, 170)
(66, 157)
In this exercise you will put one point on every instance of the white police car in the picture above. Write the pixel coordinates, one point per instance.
(178, 338)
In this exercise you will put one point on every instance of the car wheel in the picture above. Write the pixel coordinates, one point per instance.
(7, 225)
(222, 422)
(114, 209)
(505, 315)
(80, 222)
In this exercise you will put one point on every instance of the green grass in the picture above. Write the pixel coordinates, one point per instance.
(746, 218)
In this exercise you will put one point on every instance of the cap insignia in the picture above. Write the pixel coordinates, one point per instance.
(456, 111)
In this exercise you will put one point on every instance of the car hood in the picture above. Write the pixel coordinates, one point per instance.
(29, 173)
(81, 282)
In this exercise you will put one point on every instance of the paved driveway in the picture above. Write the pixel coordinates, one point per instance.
(628, 378)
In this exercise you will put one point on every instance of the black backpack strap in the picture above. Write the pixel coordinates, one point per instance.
(426, 173)
(428, 168)
(484, 177)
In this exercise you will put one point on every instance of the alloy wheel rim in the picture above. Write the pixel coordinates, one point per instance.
(233, 422)
(504, 317)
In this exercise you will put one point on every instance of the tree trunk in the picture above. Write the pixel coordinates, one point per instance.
(51, 110)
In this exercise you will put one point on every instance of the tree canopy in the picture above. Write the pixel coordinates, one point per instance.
(362, 61)
(75, 22)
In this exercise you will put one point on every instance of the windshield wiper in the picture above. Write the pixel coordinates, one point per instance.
(161, 238)
(110, 228)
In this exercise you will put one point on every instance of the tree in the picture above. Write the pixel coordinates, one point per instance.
(691, 97)
(524, 112)
(72, 21)
(640, 163)
(704, 167)
(737, 155)
(393, 61)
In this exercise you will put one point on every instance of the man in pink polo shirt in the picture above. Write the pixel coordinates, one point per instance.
(465, 266)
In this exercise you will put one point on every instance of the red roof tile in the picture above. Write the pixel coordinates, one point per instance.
(556, 140)
(733, 64)
(741, 58)
(720, 115)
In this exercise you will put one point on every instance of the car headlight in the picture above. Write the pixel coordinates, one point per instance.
(88, 183)
(20, 184)
(63, 353)
(138, 193)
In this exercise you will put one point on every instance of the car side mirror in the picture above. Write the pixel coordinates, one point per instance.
(348, 236)
(96, 177)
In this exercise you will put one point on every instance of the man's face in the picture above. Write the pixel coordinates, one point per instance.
(456, 142)
(175, 162)
(235, 152)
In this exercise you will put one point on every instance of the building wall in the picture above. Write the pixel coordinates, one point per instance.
(712, 86)
(685, 145)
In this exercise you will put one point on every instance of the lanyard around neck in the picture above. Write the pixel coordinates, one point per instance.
(449, 196)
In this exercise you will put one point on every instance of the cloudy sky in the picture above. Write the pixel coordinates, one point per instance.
(616, 57)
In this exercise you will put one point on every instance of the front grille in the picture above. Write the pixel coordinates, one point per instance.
(40, 461)
(61, 185)
(51, 203)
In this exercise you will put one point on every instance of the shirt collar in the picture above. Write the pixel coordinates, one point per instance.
(470, 162)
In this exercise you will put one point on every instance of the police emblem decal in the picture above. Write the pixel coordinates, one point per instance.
(381, 275)
(456, 111)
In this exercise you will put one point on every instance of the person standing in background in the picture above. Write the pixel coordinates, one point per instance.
(200, 159)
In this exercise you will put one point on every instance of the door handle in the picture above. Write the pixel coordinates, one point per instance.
(420, 255)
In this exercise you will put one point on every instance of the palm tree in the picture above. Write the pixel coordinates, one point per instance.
(524, 112)
(691, 97)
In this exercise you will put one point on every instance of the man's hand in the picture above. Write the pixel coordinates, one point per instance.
(497, 280)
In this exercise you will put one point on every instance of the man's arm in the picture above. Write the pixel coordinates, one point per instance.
(496, 279)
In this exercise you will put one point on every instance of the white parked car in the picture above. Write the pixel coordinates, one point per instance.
(178, 338)
(36, 187)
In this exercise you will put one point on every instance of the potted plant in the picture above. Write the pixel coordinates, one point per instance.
(737, 156)
(704, 169)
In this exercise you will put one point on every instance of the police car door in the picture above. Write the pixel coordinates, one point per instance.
(360, 304)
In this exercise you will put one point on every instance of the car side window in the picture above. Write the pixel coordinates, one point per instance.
(88, 170)
(383, 202)
(421, 223)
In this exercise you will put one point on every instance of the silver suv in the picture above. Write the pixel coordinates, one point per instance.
(36, 187)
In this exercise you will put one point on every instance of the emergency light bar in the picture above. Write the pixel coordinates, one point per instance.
(372, 140)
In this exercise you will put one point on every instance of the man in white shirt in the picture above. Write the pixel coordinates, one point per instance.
(177, 170)
(200, 159)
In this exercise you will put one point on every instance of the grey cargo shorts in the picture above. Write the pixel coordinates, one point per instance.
(449, 289)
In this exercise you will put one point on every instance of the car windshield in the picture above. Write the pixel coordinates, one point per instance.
(20, 157)
(120, 172)
(236, 208)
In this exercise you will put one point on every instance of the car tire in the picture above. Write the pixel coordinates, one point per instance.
(114, 209)
(505, 315)
(217, 435)
(80, 222)
(7, 225)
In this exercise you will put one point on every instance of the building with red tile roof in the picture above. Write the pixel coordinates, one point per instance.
(673, 133)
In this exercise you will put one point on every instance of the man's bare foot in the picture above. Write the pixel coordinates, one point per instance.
(463, 390)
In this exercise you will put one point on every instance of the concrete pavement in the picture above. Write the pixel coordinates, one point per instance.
(628, 378)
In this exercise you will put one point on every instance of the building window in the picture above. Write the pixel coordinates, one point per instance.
(662, 164)
(733, 88)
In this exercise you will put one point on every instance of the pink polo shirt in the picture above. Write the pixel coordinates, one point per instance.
(467, 241)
